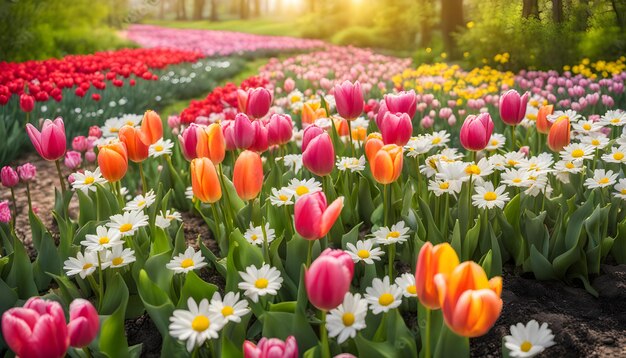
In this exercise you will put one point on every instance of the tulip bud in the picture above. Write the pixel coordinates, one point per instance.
(433, 260)
(427, 122)
(204, 181)
(73, 159)
(559, 135)
(189, 141)
(152, 127)
(84, 323)
(319, 155)
(476, 132)
(136, 141)
(243, 131)
(27, 102)
(513, 107)
(279, 129)
(90, 156)
(113, 161)
(5, 212)
(402, 102)
(373, 143)
(271, 348)
(80, 144)
(386, 164)
(396, 128)
(211, 143)
(258, 102)
(543, 124)
(289, 85)
(349, 100)
(50, 142)
(328, 279)
(313, 217)
(95, 131)
(248, 175)
(260, 142)
(27, 172)
(9, 177)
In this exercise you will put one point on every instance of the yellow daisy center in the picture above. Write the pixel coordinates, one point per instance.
(103, 240)
(569, 165)
(393, 234)
(494, 142)
(473, 169)
(618, 155)
(586, 126)
(595, 142)
(227, 311)
(364, 254)
(490, 196)
(141, 203)
(623, 191)
(348, 319)
(301, 190)
(261, 283)
(89, 180)
(186, 263)
(577, 153)
(517, 180)
(512, 162)
(525, 346)
(283, 197)
(385, 299)
(130, 123)
(114, 130)
(615, 120)
(117, 261)
(411, 289)
(604, 180)
(436, 140)
(200, 323)
(445, 185)
(158, 148)
(87, 266)
(253, 237)
(126, 227)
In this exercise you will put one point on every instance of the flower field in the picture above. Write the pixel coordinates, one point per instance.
(338, 203)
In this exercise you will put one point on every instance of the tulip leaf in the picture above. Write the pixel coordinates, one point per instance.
(157, 302)
(471, 242)
(21, 271)
(112, 338)
(351, 237)
(160, 242)
(366, 204)
(85, 206)
(69, 291)
(195, 288)
(540, 265)
(456, 239)
(8, 296)
(235, 202)
(48, 260)
(228, 349)
(434, 235)
(451, 345)
(161, 276)
(302, 330)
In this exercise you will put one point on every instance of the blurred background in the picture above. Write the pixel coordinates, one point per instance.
(532, 34)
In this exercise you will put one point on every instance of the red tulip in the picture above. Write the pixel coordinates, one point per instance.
(84, 323)
(243, 131)
(396, 128)
(50, 143)
(328, 279)
(349, 100)
(313, 217)
(279, 129)
(476, 132)
(27, 102)
(319, 155)
(513, 107)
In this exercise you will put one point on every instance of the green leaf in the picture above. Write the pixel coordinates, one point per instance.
(157, 303)
(351, 237)
(434, 235)
(451, 345)
(540, 265)
(85, 211)
(21, 272)
(195, 288)
(112, 339)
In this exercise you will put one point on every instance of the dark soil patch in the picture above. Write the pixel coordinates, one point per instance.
(142, 330)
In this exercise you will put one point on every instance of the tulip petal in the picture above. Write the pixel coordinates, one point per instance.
(330, 215)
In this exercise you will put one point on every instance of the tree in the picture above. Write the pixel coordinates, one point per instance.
(530, 8)
(198, 9)
(214, 14)
(557, 11)
(244, 9)
(451, 20)
(426, 16)
(257, 8)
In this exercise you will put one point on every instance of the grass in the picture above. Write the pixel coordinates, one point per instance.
(260, 26)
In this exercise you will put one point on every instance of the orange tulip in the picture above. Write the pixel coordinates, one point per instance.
(311, 112)
(211, 143)
(469, 301)
(136, 142)
(543, 124)
(248, 175)
(341, 125)
(359, 133)
(373, 143)
(152, 126)
(431, 261)
(204, 181)
(386, 165)
(559, 135)
(113, 161)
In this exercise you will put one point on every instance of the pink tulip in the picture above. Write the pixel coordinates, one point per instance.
(9, 177)
(476, 131)
(309, 133)
(80, 143)
(402, 102)
(319, 155)
(289, 85)
(173, 122)
(260, 142)
(279, 129)
(271, 348)
(73, 159)
(27, 172)
(313, 217)
(228, 129)
(95, 131)
(513, 107)
(243, 131)
(36, 330)
(452, 120)
(328, 279)
(349, 100)
(396, 128)
(90, 156)
(188, 141)
(50, 142)
(427, 122)
(5, 212)
(84, 323)
(258, 102)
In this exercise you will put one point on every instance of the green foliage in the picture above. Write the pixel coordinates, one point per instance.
(358, 36)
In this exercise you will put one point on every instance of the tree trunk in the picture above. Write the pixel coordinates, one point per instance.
(557, 11)
(425, 25)
(530, 9)
(214, 8)
(257, 8)
(162, 10)
(620, 13)
(451, 20)
(278, 6)
(244, 9)
(198, 9)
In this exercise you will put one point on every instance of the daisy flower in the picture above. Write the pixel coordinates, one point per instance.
(586, 127)
(189, 193)
(281, 197)
(601, 179)
(160, 148)
(383, 296)
(575, 166)
(141, 202)
(351, 163)
(614, 118)
(254, 234)
(260, 282)
(439, 139)
(111, 127)
(417, 145)
(496, 142)
(396, 234)
(597, 141)
(132, 120)
(453, 171)
(195, 325)
(528, 340)
(82, 265)
(498, 162)
(302, 187)
(481, 169)
(87, 180)
(488, 197)
(617, 155)
(620, 189)
(407, 283)
(364, 251)
(348, 318)
(103, 239)
(537, 164)
(576, 151)
(128, 223)
(187, 261)
(231, 308)
(539, 185)
(512, 159)
(165, 219)
(118, 256)
(516, 178)
(572, 115)
(439, 187)
(293, 162)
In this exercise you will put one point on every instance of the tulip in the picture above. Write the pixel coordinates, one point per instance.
(136, 141)
(27, 102)
(95, 131)
(319, 155)
(5, 212)
(204, 181)
(289, 85)
(279, 129)
(313, 217)
(476, 132)
(559, 135)
(260, 142)
(50, 142)
(73, 159)
(27, 172)
(113, 161)
(90, 155)
(80, 143)
(543, 124)
(248, 175)
(243, 131)
(211, 143)
(402, 102)
(386, 164)
(311, 112)
(396, 128)
(309, 133)
(271, 348)
(152, 126)
(242, 100)
(84, 323)
(258, 102)
(373, 143)
(328, 279)
(36, 330)
(9, 177)
(189, 141)
(469, 301)
(513, 107)
(349, 100)
(433, 260)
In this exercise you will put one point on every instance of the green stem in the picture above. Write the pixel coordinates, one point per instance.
(350, 135)
(309, 253)
(289, 222)
(226, 194)
(324, 337)
(392, 258)
(30, 204)
(217, 223)
(14, 206)
(61, 180)
(445, 217)
(144, 185)
(513, 128)
(385, 208)
(100, 278)
(87, 352)
(427, 335)
(266, 247)
(419, 176)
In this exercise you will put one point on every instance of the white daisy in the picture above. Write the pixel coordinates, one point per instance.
(439, 187)
(364, 251)
(260, 282)
(82, 265)
(407, 283)
(601, 179)
(293, 162)
(254, 234)
(488, 197)
(195, 325)
(302, 187)
(586, 127)
(614, 118)
(439, 139)
(513, 159)
(396, 234)
(540, 185)
(572, 115)
(128, 223)
(118, 256)
(453, 171)
(496, 142)
(576, 151)
(187, 261)
(160, 148)
(231, 308)
(281, 197)
(620, 189)
(350, 163)
(383, 296)
(417, 145)
(87, 180)
(348, 318)
(481, 169)
(103, 239)
(498, 162)
(528, 340)
(597, 141)
(165, 219)
(537, 164)
(569, 166)
(132, 120)
(141, 202)
(617, 155)
(189, 193)
(516, 178)
(111, 127)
